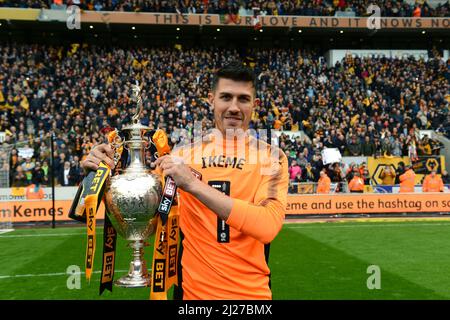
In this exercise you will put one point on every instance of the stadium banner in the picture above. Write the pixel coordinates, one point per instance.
(19, 14)
(265, 21)
(422, 167)
(367, 203)
(112, 17)
(21, 205)
(39, 210)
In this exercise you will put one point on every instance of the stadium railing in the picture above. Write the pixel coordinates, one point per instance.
(311, 187)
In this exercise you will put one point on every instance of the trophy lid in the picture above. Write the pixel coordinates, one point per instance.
(136, 127)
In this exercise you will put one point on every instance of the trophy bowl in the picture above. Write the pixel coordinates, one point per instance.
(131, 200)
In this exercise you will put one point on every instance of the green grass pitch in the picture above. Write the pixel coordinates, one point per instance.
(308, 261)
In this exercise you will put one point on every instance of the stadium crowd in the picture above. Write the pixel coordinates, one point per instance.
(369, 107)
(391, 8)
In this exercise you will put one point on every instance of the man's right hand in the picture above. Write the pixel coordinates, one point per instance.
(102, 152)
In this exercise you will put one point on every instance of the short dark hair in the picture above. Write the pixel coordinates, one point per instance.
(235, 71)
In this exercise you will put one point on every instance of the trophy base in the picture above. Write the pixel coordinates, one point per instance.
(138, 276)
(133, 282)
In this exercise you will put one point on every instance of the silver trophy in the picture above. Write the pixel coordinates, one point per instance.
(132, 199)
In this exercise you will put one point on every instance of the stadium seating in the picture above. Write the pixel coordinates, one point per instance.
(365, 107)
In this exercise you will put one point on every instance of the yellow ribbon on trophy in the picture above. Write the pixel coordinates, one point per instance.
(165, 251)
(165, 256)
(91, 202)
(88, 200)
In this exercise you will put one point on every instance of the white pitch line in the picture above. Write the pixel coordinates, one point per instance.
(51, 274)
(42, 235)
(367, 225)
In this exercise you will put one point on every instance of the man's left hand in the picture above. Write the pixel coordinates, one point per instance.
(178, 170)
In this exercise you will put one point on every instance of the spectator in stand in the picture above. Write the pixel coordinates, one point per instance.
(396, 148)
(412, 151)
(417, 13)
(354, 147)
(371, 98)
(38, 176)
(366, 177)
(387, 176)
(350, 172)
(19, 178)
(28, 167)
(46, 169)
(324, 183)
(310, 174)
(445, 177)
(302, 162)
(63, 175)
(407, 180)
(337, 176)
(75, 172)
(367, 147)
(294, 170)
(433, 183)
(424, 148)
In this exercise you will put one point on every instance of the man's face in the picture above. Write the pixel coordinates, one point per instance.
(233, 102)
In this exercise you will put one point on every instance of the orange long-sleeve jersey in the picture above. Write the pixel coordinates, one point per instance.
(432, 184)
(237, 268)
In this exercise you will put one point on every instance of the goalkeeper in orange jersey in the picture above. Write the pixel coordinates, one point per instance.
(230, 216)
